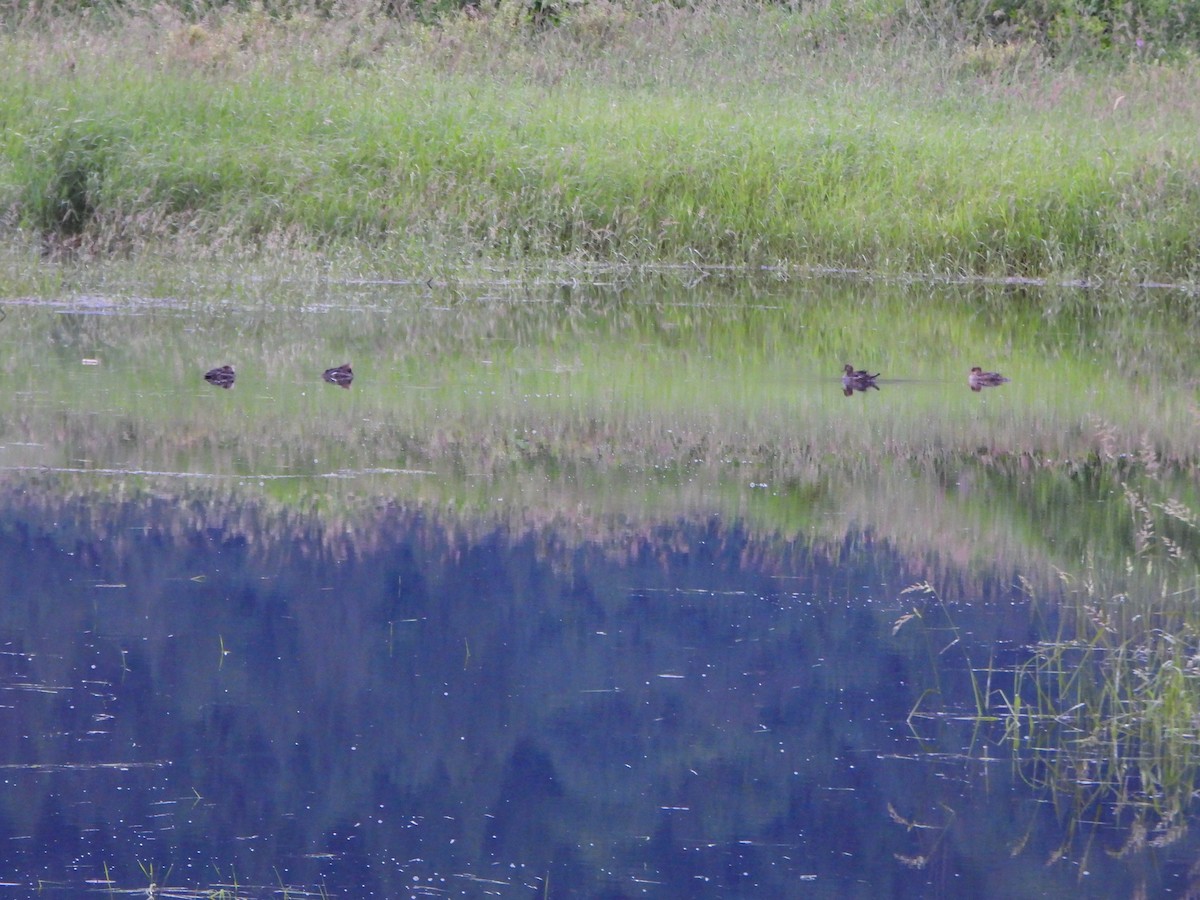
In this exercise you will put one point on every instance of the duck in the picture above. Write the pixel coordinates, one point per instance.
(979, 379)
(857, 380)
(340, 375)
(222, 376)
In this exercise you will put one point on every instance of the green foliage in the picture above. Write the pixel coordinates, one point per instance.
(67, 166)
(1070, 27)
(491, 135)
(1076, 26)
(1110, 706)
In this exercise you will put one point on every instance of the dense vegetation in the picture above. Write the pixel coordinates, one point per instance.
(1041, 140)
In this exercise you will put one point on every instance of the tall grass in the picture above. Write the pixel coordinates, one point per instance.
(1111, 722)
(1102, 717)
(722, 134)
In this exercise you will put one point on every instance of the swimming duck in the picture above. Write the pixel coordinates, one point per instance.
(222, 376)
(859, 380)
(340, 375)
(979, 379)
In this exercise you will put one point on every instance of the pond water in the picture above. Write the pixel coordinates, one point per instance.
(596, 590)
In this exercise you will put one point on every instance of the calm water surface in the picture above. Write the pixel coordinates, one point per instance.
(600, 591)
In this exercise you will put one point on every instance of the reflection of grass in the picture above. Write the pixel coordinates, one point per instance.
(640, 396)
(1104, 718)
(605, 408)
(586, 404)
(650, 375)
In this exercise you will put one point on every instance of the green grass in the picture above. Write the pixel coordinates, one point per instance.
(1099, 713)
(1110, 714)
(723, 134)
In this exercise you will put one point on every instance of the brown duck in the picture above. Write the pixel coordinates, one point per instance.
(340, 375)
(857, 380)
(979, 379)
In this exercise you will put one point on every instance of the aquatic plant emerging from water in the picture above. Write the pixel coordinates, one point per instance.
(1109, 728)
(1102, 721)
(1106, 719)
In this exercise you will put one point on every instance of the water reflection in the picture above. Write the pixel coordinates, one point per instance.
(428, 702)
(597, 591)
(643, 375)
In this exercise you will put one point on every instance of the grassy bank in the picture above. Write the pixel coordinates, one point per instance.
(721, 134)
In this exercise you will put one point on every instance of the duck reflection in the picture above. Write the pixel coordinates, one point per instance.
(340, 375)
(222, 376)
(857, 380)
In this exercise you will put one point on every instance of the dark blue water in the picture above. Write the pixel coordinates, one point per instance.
(199, 692)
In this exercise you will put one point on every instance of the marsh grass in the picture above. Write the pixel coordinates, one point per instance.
(723, 133)
(1104, 717)
(157, 886)
(1113, 727)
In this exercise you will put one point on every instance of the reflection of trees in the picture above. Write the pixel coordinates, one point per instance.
(411, 684)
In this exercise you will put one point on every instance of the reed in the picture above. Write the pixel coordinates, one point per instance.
(1102, 718)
